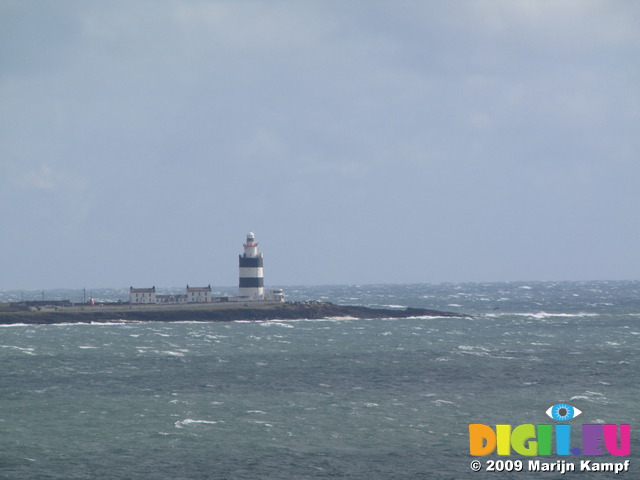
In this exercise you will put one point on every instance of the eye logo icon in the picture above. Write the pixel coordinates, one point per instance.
(562, 412)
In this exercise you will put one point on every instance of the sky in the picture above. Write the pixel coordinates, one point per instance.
(363, 142)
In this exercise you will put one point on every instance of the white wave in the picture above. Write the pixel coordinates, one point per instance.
(580, 397)
(27, 350)
(90, 324)
(598, 394)
(543, 315)
(261, 422)
(269, 323)
(188, 321)
(172, 353)
(472, 347)
(189, 421)
(590, 396)
(474, 350)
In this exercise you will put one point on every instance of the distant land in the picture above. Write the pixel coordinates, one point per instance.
(217, 312)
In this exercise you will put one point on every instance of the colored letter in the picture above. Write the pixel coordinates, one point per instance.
(610, 437)
(523, 440)
(503, 432)
(563, 438)
(544, 439)
(592, 439)
(482, 439)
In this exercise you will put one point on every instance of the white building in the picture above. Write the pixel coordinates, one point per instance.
(276, 295)
(199, 294)
(171, 298)
(142, 295)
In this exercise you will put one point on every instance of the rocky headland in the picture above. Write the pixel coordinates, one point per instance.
(219, 312)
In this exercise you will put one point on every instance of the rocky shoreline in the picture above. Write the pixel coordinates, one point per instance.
(212, 313)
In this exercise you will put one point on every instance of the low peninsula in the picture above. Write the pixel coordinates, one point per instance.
(211, 312)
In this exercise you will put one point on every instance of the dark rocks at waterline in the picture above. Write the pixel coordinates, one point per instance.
(212, 313)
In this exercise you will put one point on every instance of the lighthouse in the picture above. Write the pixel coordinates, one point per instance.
(251, 271)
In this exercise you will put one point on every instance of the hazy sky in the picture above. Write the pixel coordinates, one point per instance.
(362, 141)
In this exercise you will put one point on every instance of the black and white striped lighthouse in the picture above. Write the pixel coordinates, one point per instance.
(251, 271)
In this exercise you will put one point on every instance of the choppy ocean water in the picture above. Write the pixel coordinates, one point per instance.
(311, 399)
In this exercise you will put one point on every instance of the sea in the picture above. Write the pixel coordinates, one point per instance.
(339, 398)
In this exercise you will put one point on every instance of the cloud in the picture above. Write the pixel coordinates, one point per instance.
(46, 178)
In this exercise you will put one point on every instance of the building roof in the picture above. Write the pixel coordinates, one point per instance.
(198, 289)
(142, 290)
